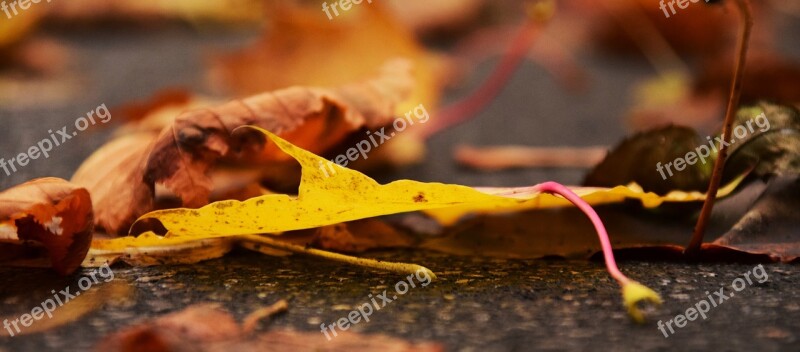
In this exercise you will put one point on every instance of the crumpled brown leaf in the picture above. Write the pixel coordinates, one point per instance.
(45, 222)
(206, 327)
(352, 237)
(770, 226)
(113, 175)
(313, 118)
(122, 175)
(756, 225)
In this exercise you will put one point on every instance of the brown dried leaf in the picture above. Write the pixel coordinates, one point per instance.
(288, 340)
(206, 327)
(187, 330)
(315, 119)
(111, 293)
(114, 175)
(123, 175)
(45, 222)
(352, 237)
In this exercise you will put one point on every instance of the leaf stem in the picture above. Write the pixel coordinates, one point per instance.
(461, 110)
(693, 249)
(633, 292)
(402, 268)
(602, 234)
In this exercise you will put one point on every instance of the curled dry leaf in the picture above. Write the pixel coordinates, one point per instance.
(346, 195)
(113, 175)
(196, 326)
(45, 222)
(352, 237)
(770, 226)
(122, 175)
(289, 340)
(353, 45)
(160, 254)
(184, 153)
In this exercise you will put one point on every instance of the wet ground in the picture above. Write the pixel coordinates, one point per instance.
(476, 304)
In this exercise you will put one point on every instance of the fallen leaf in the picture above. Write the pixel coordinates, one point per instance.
(114, 175)
(187, 330)
(183, 154)
(348, 195)
(290, 340)
(45, 222)
(770, 145)
(772, 148)
(158, 253)
(637, 157)
(352, 237)
(207, 327)
(770, 225)
(109, 293)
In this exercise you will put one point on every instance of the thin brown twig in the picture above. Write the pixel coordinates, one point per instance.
(693, 249)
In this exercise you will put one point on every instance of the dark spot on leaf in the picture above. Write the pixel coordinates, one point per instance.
(420, 198)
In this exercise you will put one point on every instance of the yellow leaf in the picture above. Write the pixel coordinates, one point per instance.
(330, 194)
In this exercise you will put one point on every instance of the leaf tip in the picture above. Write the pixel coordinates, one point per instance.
(634, 293)
(428, 273)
